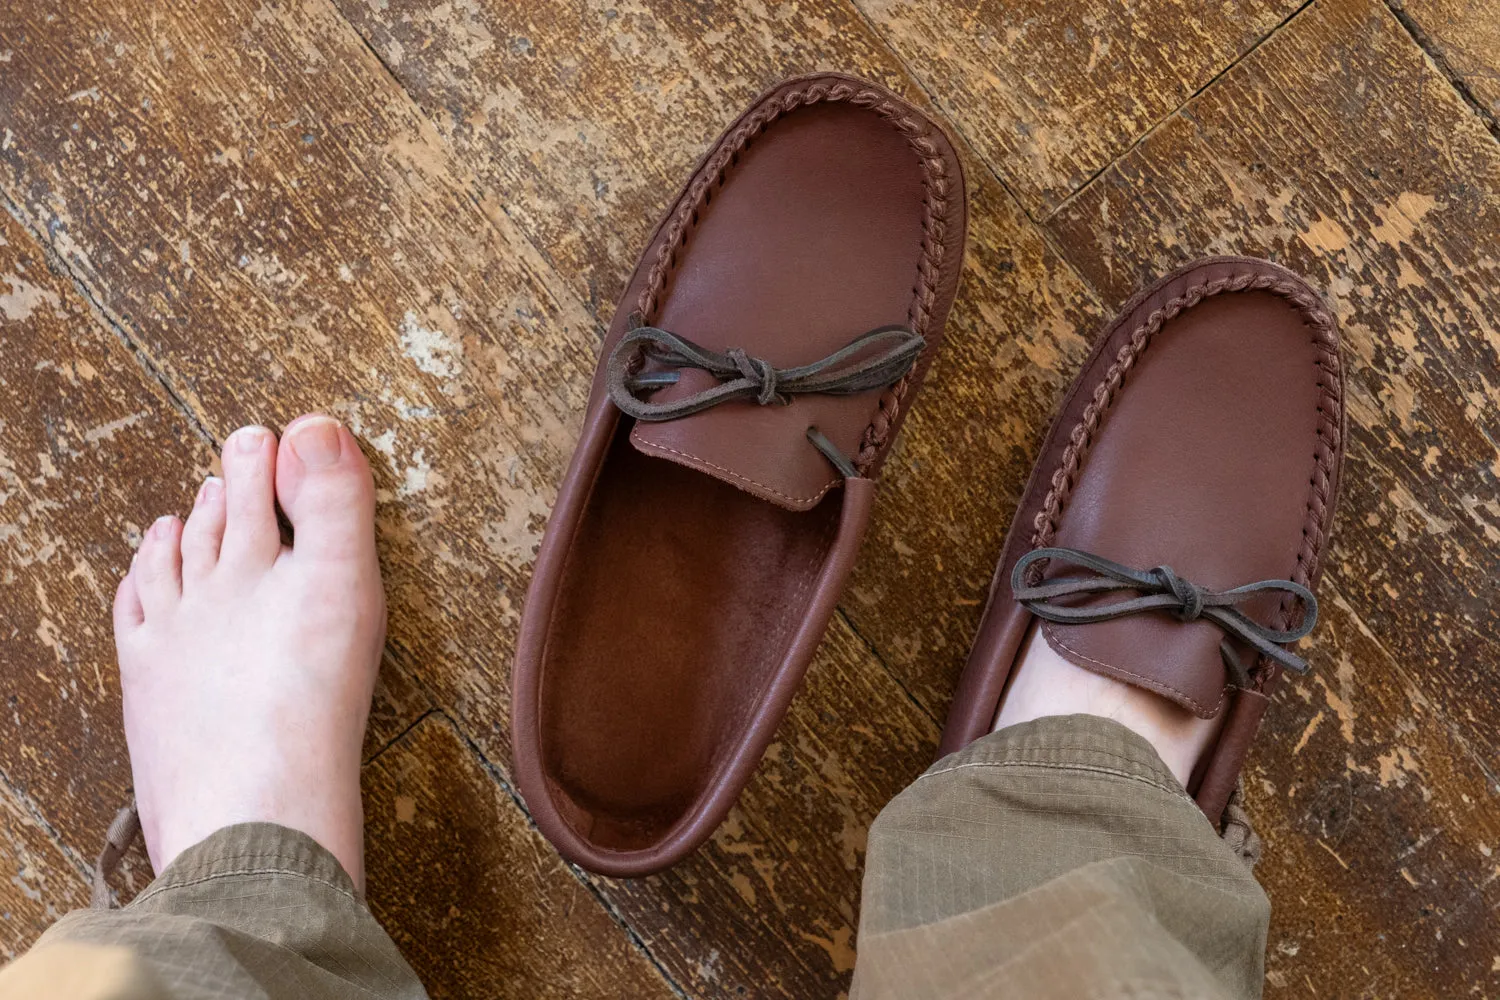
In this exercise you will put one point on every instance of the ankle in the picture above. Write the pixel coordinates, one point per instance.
(1044, 684)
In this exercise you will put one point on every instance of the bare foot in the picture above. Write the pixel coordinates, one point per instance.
(1043, 683)
(248, 665)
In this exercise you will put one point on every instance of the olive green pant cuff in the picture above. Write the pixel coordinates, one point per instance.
(255, 910)
(1057, 858)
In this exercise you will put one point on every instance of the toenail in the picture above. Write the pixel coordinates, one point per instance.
(316, 442)
(249, 439)
(159, 526)
(211, 488)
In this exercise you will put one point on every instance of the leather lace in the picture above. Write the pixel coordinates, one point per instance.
(122, 833)
(1160, 589)
(873, 361)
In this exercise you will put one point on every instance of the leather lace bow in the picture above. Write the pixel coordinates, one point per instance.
(1160, 589)
(873, 361)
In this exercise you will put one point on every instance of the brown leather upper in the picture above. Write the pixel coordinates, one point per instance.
(691, 566)
(1205, 434)
(831, 227)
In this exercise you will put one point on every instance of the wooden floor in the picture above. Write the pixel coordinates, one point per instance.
(417, 215)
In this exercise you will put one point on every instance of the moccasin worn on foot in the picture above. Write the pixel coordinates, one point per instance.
(1177, 519)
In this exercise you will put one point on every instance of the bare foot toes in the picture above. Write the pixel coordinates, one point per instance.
(252, 539)
(247, 666)
(204, 532)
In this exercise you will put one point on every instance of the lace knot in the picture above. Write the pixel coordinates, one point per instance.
(1161, 589)
(757, 371)
(1189, 596)
(875, 360)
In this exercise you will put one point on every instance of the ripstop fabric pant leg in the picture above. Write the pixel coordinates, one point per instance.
(1058, 859)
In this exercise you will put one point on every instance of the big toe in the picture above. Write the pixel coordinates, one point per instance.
(323, 483)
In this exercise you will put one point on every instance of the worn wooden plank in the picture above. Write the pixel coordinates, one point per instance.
(43, 881)
(1381, 827)
(91, 453)
(336, 256)
(1050, 93)
(478, 902)
(581, 120)
(1380, 186)
(1465, 35)
(302, 245)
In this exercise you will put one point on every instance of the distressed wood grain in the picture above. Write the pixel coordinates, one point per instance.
(1381, 826)
(314, 252)
(1380, 186)
(44, 880)
(1050, 93)
(321, 248)
(1465, 35)
(581, 120)
(90, 453)
(477, 901)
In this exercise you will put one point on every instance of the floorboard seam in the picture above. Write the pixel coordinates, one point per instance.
(1140, 139)
(948, 119)
(60, 266)
(473, 182)
(497, 776)
(994, 170)
(870, 648)
(405, 731)
(1040, 228)
(1434, 52)
(84, 867)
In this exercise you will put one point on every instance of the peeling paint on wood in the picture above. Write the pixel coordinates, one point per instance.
(1465, 35)
(1050, 93)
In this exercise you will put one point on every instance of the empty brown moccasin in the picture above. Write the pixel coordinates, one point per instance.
(768, 346)
(1178, 516)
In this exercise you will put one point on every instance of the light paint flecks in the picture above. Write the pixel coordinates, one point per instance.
(266, 268)
(839, 945)
(1341, 701)
(106, 431)
(1312, 727)
(1396, 766)
(406, 809)
(1400, 219)
(417, 476)
(434, 351)
(24, 298)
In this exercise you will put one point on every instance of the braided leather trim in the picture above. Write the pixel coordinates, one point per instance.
(1325, 339)
(935, 186)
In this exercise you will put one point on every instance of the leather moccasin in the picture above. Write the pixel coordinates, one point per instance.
(1177, 519)
(775, 331)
